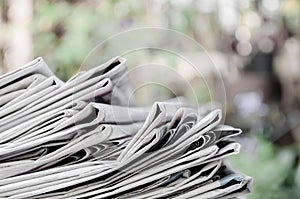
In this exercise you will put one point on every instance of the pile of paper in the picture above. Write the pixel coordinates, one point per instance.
(84, 139)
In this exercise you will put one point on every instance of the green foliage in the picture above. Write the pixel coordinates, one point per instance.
(272, 170)
(65, 33)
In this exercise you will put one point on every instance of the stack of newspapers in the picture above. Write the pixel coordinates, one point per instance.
(84, 138)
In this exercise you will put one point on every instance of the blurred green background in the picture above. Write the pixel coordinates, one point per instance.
(253, 43)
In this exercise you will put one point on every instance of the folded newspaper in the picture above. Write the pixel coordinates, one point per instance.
(84, 138)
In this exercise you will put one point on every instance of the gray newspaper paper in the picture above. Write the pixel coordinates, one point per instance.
(85, 138)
